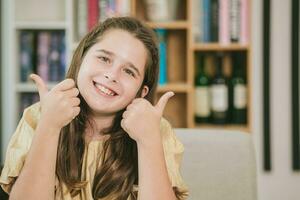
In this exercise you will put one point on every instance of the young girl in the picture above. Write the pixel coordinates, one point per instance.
(98, 134)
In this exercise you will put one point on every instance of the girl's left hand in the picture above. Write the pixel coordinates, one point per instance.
(141, 120)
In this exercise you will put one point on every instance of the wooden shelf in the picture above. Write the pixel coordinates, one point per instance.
(243, 128)
(219, 47)
(169, 25)
(31, 87)
(40, 25)
(175, 87)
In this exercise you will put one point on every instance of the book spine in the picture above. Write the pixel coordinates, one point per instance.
(197, 20)
(214, 26)
(93, 13)
(82, 16)
(244, 21)
(62, 56)
(206, 21)
(54, 58)
(42, 54)
(26, 54)
(224, 22)
(103, 4)
(234, 20)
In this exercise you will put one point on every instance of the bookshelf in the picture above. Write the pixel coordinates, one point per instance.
(181, 51)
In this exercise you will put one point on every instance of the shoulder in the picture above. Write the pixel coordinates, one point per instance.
(32, 114)
(169, 138)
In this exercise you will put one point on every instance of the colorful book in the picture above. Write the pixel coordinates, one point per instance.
(234, 20)
(244, 21)
(214, 25)
(93, 13)
(26, 54)
(224, 37)
(162, 33)
(43, 43)
(82, 27)
(206, 21)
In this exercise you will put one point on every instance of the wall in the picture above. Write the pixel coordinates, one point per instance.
(281, 183)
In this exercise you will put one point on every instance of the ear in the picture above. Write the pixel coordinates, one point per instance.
(145, 91)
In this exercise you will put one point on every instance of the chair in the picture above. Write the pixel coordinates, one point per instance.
(218, 164)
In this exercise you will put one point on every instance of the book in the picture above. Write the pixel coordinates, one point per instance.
(224, 38)
(234, 20)
(26, 54)
(206, 21)
(82, 27)
(214, 25)
(244, 21)
(93, 13)
(43, 43)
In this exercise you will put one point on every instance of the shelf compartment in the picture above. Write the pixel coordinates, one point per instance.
(176, 56)
(219, 47)
(175, 111)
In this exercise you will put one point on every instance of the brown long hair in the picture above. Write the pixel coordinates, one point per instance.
(118, 171)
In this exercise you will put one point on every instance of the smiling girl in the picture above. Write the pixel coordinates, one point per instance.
(98, 134)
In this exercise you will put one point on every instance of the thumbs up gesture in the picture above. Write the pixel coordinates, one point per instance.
(60, 105)
(141, 120)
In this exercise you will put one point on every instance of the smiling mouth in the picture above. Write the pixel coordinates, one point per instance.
(104, 90)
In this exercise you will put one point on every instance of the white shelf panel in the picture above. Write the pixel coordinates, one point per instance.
(40, 25)
(31, 87)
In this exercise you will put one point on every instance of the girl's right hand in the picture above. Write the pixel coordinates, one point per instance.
(60, 105)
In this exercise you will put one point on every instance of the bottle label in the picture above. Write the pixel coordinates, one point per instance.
(202, 102)
(219, 98)
(240, 96)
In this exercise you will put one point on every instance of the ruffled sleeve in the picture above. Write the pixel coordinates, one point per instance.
(18, 147)
(173, 150)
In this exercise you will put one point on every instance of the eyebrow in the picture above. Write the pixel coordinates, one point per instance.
(112, 54)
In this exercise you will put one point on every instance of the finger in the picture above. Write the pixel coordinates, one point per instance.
(75, 101)
(125, 114)
(76, 111)
(163, 101)
(130, 106)
(41, 86)
(123, 124)
(71, 92)
(65, 85)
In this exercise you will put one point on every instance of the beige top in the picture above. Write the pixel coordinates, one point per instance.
(21, 140)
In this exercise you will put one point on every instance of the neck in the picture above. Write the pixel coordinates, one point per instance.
(98, 122)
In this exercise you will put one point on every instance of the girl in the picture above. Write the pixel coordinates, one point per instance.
(98, 134)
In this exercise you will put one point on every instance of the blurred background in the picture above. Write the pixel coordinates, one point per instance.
(233, 65)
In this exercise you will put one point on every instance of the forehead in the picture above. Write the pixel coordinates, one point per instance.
(125, 46)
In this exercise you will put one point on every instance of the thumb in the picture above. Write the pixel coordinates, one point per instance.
(162, 102)
(41, 86)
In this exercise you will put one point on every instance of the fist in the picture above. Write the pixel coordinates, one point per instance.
(60, 105)
(141, 120)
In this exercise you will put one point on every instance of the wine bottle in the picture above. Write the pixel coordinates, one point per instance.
(239, 91)
(219, 94)
(202, 96)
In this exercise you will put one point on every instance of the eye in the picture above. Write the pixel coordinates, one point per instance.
(104, 59)
(128, 71)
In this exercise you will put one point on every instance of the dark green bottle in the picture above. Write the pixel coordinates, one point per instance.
(239, 90)
(219, 94)
(202, 95)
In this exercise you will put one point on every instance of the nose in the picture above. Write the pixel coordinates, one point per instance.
(112, 76)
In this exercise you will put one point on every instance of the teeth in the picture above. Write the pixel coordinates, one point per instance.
(105, 90)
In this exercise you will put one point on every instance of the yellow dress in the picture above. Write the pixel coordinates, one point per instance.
(20, 142)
